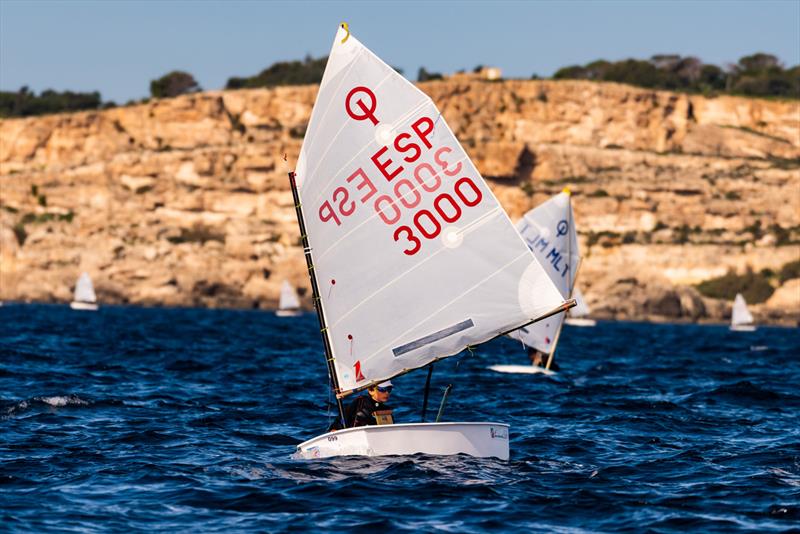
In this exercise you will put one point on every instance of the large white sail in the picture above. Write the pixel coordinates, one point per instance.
(414, 257)
(741, 315)
(581, 309)
(549, 231)
(289, 299)
(84, 290)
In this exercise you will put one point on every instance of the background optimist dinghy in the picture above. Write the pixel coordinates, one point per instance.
(411, 257)
(84, 298)
(549, 231)
(578, 316)
(741, 318)
(289, 304)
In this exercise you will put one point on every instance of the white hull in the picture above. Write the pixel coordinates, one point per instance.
(288, 313)
(482, 440)
(577, 321)
(743, 328)
(86, 306)
(522, 369)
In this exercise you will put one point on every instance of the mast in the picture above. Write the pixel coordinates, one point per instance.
(323, 327)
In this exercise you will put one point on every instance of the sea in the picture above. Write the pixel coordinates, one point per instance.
(185, 420)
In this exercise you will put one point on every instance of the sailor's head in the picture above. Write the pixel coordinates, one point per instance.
(381, 392)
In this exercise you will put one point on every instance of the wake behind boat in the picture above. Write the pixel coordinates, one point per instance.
(84, 298)
(410, 256)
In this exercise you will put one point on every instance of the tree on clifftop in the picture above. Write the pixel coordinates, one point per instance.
(173, 84)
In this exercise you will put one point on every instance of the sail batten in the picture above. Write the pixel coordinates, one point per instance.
(413, 256)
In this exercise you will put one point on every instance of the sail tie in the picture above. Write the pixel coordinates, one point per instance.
(346, 28)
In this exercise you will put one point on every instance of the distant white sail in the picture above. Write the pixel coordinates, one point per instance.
(415, 260)
(741, 315)
(84, 290)
(549, 231)
(581, 309)
(289, 299)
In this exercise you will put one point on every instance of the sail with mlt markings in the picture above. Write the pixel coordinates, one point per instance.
(549, 231)
(581, 309)
(288, 299)
(84, 290)
(740, 315)
(414, 258)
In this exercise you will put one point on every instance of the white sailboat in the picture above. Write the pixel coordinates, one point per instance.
(549, 231)
(289, 304)
(84, 298)
(741, 318)
(411, 258)
(577, 316)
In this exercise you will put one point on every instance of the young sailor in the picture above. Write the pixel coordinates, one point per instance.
(368, 409)
(540, 358)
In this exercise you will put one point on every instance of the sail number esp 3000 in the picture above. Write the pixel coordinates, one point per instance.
(396, 180)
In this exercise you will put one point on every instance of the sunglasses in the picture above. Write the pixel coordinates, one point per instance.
(385, 390)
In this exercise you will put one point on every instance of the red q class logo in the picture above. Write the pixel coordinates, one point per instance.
(364, 99)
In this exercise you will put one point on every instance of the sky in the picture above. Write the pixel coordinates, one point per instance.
(117, 47)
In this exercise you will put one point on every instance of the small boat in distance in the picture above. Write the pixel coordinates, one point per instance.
(85, 298)
(410, 256)
(289, 304)
(577, 315)
(741, 319)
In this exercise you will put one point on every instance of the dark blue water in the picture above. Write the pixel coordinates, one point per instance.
(185, 420)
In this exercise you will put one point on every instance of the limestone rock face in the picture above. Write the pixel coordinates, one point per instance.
(186, 201)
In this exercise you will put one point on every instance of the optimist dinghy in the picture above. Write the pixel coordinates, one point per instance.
(741, 318)
(84, 298)
(289, 303)
(549, 231)
(411, 257)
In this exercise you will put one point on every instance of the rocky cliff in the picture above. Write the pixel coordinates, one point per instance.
(185, 201)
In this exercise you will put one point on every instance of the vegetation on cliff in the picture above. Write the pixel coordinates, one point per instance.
(303, 72)
(26, 103)
(755, 75)
(173, 84)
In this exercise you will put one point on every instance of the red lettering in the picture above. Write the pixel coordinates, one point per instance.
(383, 166)
(428, 215)
(365, 182)
(443, 164)
(477, 192)
(411, 189)
(405, 148)
(423, 133)
(456, 208)
(385, 199)
(410, 238)
(342, 192)
(430, 188)
(326, 213)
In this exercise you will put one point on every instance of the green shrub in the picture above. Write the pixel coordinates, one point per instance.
(303, 72)
(174, 84)
(789, 270)
(25, 103)
(755, 287)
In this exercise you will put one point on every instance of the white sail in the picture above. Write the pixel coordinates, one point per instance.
(549, 231)
(414, 258)
(581, 309)
(84, 290)
(289, 299)
(741, 315)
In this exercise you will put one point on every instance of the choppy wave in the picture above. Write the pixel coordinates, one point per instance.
(186, 420)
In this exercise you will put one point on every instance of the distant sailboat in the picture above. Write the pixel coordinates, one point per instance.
(577, 315)
(84, 298)
(411, 258)
(289, 305)
(741, 319)
(549, 231)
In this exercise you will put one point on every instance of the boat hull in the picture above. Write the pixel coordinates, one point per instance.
(577, 321)
(522, 369)
(482, 440)
(743, 328)
(288, 313)
(84, 306)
